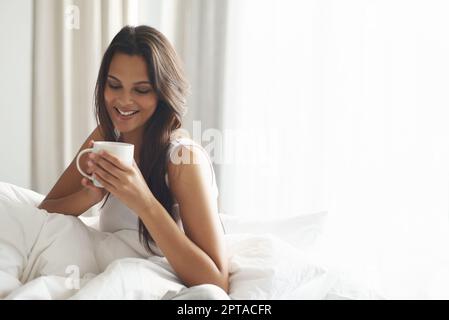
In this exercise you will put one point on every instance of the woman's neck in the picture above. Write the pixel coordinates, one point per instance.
(134, 138)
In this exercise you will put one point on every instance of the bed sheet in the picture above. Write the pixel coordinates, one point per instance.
(265, 263)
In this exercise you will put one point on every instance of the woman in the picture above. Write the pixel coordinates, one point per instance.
(140, 99)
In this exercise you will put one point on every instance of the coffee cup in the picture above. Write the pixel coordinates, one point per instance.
(123, 151)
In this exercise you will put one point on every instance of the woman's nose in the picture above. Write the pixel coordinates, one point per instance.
(125, 99)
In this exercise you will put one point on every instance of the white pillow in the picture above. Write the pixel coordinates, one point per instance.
(265, 267)
(18, 194)
(300, 231)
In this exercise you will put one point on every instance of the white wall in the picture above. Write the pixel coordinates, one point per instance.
(15, 91)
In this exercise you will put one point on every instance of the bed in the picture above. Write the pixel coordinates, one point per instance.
(270, 258)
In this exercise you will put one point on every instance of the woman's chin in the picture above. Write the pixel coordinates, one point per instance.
(126, 128)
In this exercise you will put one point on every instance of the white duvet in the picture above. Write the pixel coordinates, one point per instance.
(263, 264)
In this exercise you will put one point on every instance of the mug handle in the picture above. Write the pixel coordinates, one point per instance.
(78, 164)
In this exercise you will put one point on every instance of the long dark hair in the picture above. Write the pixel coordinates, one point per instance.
(169, 82)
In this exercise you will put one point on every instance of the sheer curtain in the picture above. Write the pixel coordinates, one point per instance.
(69, 40)
(197, 29)
(342, 106)
(70, 37)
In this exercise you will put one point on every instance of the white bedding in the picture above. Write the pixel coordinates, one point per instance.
(268, 260)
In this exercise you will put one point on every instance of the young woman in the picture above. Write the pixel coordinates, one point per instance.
(172, 207)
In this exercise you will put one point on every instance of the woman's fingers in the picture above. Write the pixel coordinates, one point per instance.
(88, 169)
(86, 182)
(98, 176)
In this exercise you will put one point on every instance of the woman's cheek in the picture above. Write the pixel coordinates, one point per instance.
(108, 98)
(153, 101)
(149, 103)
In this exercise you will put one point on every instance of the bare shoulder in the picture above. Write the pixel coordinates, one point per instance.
(97, 134)
(188, 165)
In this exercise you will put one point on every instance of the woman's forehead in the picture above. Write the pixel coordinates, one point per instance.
(128, 67)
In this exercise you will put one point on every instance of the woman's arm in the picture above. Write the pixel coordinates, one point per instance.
(74, 204)
(198, 256)
(69, 195)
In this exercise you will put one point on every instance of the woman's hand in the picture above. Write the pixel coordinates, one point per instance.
(94, 193)
(125, 182)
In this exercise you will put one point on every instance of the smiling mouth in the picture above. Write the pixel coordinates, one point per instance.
(124, 114)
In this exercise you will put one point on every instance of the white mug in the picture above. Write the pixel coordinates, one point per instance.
(123, 151)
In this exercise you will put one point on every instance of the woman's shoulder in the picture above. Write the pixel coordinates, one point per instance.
(98, 134)
(184, 150)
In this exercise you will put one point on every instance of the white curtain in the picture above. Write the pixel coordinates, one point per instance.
(70, 37)
(199, 36)
(69, 40)
(343, 106)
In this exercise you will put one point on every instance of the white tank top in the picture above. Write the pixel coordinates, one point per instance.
(115, 216)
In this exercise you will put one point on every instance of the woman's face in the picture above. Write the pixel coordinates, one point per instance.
(129, 96)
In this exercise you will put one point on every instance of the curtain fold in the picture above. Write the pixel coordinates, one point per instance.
(198, 29)
(67, 57)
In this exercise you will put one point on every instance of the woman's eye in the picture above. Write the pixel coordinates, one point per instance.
(113, 86)
(143, 90)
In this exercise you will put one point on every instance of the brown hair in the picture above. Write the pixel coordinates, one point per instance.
(168, 80)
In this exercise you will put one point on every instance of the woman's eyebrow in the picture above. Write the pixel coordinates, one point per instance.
(142, 82)
(115, 78)
(138, 82)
